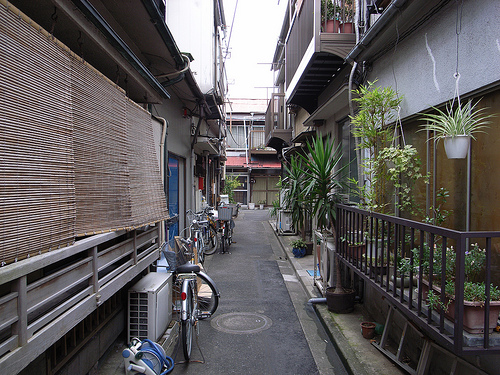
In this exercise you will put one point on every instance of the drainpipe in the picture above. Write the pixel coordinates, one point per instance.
(162, 169)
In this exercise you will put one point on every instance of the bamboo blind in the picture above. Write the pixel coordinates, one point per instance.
(76, 155)
(37, 205)
(147, 196)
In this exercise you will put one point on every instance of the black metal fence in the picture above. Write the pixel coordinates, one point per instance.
(398, 257)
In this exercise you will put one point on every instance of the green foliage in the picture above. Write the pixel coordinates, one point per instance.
(325, 179)
(298, 244)
(230, 184)
(402, 168)
(388, 167)
(294, 185)
(439, 214)
(273, 211)
(463, 120)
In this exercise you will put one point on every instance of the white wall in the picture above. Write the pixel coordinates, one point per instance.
(192, 25)
(179, 142)
(425, 62)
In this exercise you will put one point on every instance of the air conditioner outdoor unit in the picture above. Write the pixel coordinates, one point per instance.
(150, 306)
(327, 260)
(285, 222)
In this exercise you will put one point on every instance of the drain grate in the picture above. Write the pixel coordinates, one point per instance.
(241, 323)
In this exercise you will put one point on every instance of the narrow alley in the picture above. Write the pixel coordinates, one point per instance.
(256, 329)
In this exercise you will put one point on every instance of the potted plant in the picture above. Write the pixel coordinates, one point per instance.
(324, 188)
(329, 22)
(347, 17)
(474, 287)
(388, 168)
(299, 248)
(456, 126)
(261, 204)
(294, 196)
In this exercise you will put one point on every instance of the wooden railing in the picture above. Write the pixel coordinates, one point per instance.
(375, 246)
(45, 296)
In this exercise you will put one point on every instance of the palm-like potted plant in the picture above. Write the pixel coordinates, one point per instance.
(456, 126)
(324, 188)
(294, 198)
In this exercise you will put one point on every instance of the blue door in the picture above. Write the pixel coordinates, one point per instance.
(173, 196)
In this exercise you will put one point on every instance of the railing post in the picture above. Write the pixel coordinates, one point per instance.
(21, 326)
(95, 268)
(135, 247)
(459, 292)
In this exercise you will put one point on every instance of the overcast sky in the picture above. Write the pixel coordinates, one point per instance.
(256, 27)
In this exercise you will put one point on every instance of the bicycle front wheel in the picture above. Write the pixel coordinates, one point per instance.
(208, 296)
(212, 241)
(187, 326)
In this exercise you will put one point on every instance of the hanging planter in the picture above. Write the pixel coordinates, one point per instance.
(457, 125)
(457, 147)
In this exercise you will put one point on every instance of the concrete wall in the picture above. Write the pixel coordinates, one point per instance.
(424, 63)
(179, 142)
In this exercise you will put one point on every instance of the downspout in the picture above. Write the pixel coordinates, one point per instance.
(351, 76)
(162, 170)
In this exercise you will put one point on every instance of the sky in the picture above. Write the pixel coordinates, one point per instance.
(253, 38)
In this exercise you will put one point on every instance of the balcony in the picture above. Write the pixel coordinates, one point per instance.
(277, 136)
(382, 242)
(46, 296)
(314, 56)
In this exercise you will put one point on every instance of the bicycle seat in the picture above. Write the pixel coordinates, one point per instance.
(188, 268)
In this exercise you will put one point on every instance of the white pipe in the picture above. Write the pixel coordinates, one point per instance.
(162, 169)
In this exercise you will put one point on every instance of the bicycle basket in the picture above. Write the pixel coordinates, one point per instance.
(171, 258)
(225, 213)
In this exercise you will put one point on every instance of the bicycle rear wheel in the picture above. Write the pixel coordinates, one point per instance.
(211, 241)
(208, 296)
(187, 327)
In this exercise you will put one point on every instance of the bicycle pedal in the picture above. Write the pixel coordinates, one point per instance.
(204, 315)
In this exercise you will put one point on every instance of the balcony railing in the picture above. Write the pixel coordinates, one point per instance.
(43, 297)
(275, 128)
(315, 50)
(377, 247)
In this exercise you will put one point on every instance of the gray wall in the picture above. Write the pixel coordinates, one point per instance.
(425, 62)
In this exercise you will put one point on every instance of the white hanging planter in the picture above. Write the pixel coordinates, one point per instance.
(457, 147)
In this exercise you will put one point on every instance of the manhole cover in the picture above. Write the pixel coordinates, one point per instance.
(241, 323)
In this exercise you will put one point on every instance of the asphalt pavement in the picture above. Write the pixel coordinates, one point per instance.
(264, 323)
(256, 329)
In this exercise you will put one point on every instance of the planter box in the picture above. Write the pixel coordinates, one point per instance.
(355, 251)
(473, 320)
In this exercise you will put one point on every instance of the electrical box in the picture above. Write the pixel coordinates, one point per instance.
(150, 306)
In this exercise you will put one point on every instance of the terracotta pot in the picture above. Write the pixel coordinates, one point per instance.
(340, 303)
(356, 251)
(332, 26)
(368, 330)
(347, 27)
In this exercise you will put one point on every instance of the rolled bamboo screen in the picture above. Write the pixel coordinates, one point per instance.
(76, 155)
(37, 198)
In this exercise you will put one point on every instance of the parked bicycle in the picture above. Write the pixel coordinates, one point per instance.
(199, 232)
(226, 226)
(194, 293)
(210, 231)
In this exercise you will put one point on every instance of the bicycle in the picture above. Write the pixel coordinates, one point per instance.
(226, 225)
(195, 295)
(210, 234)
(198, 233)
